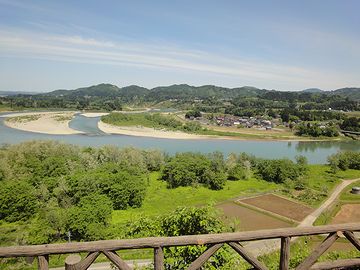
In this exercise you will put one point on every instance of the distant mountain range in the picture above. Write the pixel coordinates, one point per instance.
(179, 91)
(14, 93)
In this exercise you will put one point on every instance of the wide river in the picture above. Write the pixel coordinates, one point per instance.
(316, 152)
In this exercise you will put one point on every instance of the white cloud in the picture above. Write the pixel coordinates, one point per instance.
(79, 49)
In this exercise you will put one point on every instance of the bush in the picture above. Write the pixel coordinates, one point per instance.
(278, 170)
(344, 160)
(89, 219)
(17, 200)
(185, 221)
(187, 169)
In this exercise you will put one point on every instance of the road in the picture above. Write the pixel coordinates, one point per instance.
(256, 247)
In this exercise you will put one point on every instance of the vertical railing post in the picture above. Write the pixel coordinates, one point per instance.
(284, 253)
(72, 261)
(43, 262)
(158, 258)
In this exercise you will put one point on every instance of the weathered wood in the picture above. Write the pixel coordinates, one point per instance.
(247, 256)
(285, 253)
(90, 258)
(312, 258)
(115, 259)
(352, 238)
(24, 251)
(43, 262)
(72, 262)
(338, 264)
(158, 258)
(204, 257)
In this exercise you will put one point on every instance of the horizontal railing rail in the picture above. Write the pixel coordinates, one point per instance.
(213, 241)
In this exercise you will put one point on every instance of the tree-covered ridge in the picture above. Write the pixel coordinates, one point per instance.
(111, 97)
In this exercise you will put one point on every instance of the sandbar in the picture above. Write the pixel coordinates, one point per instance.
(56, 123)
(94, 114)
(148, 132)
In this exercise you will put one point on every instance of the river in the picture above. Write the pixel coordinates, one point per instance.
(316, 152)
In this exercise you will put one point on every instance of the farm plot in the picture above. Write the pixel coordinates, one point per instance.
(280, 206)
(347, 214)
(249, 219)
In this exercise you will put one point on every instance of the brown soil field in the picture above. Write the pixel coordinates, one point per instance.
(250, 219)
(337, 246)
(347, 214)
(280, 206)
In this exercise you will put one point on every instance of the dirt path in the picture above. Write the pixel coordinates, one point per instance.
(310, 219)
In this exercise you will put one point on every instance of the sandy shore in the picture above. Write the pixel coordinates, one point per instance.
(94, 114)
(148, 132)
(56, 123)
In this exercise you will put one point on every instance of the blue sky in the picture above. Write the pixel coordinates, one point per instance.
(283, 45)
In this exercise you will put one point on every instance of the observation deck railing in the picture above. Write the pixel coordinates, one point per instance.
(213, 242)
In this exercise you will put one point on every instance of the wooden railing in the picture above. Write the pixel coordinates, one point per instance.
(213, 241)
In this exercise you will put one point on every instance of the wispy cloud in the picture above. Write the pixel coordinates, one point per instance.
(79, 49)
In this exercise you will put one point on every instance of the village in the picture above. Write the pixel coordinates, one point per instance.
(235, 121)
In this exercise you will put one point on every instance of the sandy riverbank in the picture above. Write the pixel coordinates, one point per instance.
(94, 114)
(148, 132)
(56, 123)
(155, 133)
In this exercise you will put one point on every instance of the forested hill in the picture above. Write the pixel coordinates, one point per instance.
(352, 93)
(185, 91)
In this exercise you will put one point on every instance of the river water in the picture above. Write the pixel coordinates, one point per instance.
(316, 152)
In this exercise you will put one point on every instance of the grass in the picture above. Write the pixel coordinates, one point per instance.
(24, 118)
(62, 118)
(135, 119)
(345, 197)
(160, 200)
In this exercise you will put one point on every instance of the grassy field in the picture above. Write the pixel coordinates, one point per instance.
(344, 198)
(160, 200)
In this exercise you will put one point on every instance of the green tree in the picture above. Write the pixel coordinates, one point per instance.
(17, 200)
(89, 220)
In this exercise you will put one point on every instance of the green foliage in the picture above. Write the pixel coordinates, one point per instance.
(351, 124)
(125, 186)
(184, 221)
(344, 160)
(89, 219)
(17, 200)
(193, 113)
(44, 183)
(185, 169)
(316, 130)
(279, 170)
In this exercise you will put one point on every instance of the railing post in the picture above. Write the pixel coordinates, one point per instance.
(43, 262)
(72, 261)
(284, 253)
(158, 258)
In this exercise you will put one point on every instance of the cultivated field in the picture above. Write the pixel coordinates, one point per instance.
(279, 206)
(348, 213)
(250, 219)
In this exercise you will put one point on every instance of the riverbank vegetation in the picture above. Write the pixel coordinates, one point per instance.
(49, 189)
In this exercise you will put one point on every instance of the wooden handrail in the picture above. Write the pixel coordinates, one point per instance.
(155, 242)
(213, 241)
